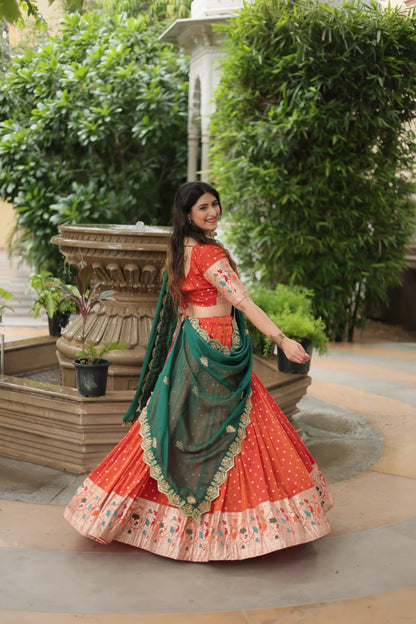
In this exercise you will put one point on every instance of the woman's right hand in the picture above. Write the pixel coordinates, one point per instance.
(294, 351)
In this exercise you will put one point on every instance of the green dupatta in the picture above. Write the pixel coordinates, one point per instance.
(193, 403)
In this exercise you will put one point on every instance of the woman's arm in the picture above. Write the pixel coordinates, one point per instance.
(226, 281)
(292, 349)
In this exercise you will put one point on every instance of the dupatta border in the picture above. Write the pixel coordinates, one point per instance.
(214, 342)
(188, 506)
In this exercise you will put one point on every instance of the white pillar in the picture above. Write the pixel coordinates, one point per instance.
(197, 36)
(194, 125)
(193, 146)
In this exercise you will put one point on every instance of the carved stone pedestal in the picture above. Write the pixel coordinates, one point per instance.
(129, 260)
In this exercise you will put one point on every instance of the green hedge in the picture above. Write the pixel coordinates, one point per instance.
(312, 148)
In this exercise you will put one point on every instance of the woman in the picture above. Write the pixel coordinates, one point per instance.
(211, 469)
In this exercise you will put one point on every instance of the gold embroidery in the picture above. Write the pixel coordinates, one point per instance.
(214, 342)
(187, 507)
(213, 490)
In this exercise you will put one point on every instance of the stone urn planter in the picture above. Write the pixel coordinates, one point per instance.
(130, 261)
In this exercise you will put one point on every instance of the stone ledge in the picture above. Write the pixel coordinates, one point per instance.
(22, 356)
(54, 426)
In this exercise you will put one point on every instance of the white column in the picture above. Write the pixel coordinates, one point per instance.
(210, 77)
(193, 143)
(194, 123)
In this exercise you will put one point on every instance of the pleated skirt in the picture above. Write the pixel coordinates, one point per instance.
(274, 496)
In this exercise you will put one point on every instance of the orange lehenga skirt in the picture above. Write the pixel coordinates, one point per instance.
(273, 497)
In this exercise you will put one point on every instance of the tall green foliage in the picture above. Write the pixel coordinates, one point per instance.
(93, 130)
(153, 9)
(80, 6)
(313, 148)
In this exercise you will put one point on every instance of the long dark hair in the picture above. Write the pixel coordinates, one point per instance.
(186, 197)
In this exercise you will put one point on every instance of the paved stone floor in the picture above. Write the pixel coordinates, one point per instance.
(359, 420)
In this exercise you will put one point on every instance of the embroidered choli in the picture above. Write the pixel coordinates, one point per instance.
(211, 286)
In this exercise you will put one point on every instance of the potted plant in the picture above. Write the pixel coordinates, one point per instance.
(49, 298)
(291, 309)
(5, 295)
(91, 368)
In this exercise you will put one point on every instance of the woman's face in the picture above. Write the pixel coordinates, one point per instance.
(206, 212)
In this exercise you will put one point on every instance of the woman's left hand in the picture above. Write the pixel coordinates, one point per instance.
(294, 351)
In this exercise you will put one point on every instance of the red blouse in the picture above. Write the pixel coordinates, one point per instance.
(211, 280)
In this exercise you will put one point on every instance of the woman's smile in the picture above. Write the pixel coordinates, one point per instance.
(206, 212)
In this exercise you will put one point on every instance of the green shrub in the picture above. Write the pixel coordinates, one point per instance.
(313, 147)
(291, 310)
(93, 131)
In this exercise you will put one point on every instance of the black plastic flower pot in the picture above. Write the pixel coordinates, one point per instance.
(91, 378)
(58, 322)
(286, 366)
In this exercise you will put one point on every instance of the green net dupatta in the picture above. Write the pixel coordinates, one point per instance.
(195, 418)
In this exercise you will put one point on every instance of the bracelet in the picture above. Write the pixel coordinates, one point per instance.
(279, 338)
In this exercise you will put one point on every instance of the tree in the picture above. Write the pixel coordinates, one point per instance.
(93, 130)
(11, 10)
(313, 147)
(4, 47)
(153, 9)
(14, 10)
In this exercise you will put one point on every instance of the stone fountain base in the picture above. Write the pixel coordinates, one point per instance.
(52, 425)
(49, 424)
